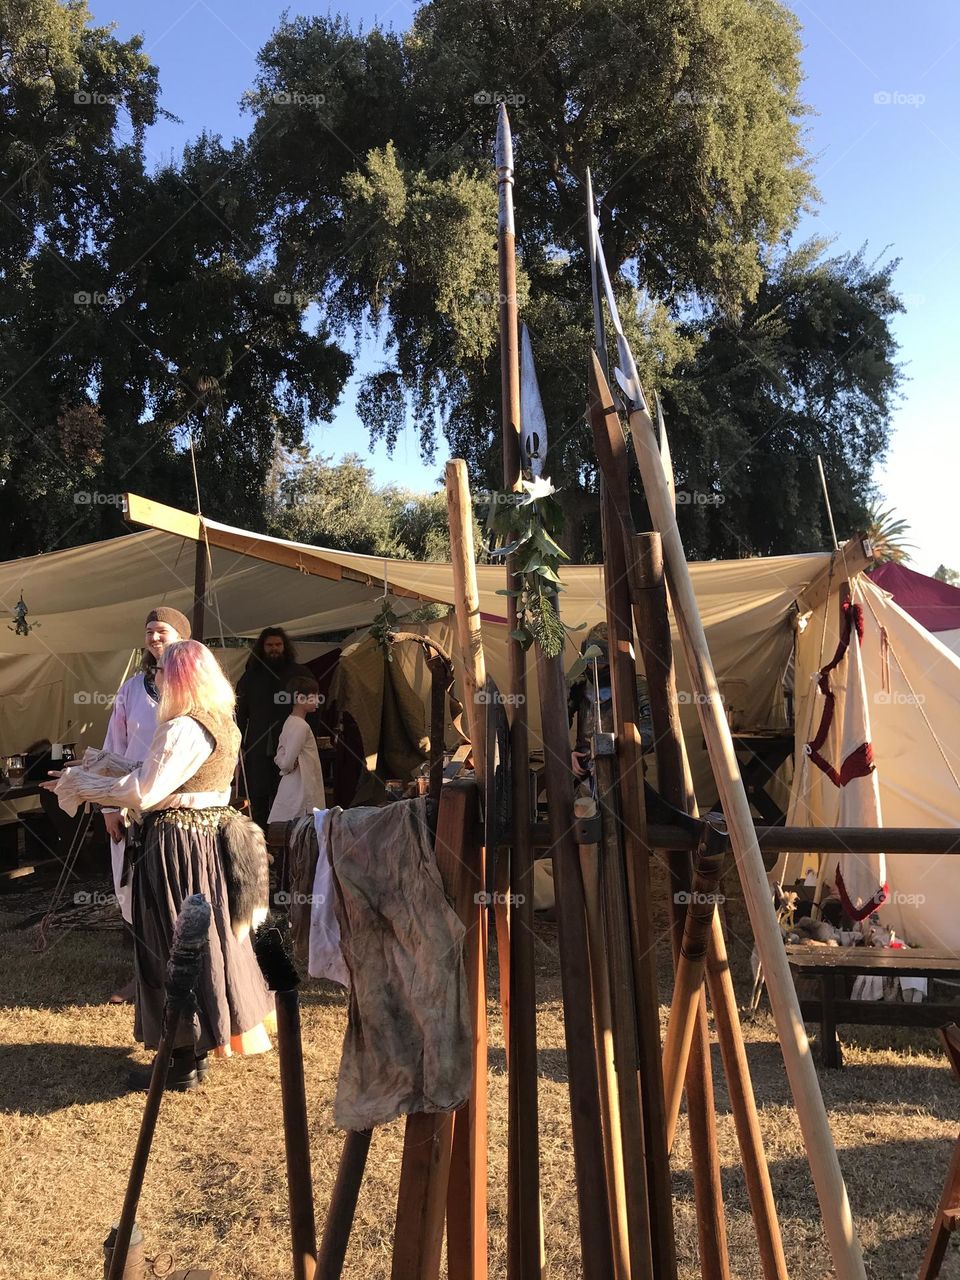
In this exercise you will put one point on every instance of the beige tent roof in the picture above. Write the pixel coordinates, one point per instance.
(95, 597)
(88, 605)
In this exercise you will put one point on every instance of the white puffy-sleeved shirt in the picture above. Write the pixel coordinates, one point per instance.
(178, 749)
(133, 720)
(301, 777)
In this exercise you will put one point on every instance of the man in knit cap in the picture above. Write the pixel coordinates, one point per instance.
(133, 721)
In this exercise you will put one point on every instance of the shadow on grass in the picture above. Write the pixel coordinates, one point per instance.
(877, 1193)
(38, 1079)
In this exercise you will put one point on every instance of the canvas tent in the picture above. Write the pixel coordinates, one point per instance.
(90, 603)
(912, 694)
(934, 604)
(87, 606)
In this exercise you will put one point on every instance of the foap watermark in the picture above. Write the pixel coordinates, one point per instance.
(93, 498)
(495, 498)
(84, 98)
(897, 98)
(686, 698)
(292, 298)
(697, 898)
(484, 899)
(484, 698)
(699, 498)
(283, 698)
(493, 98)
(95, 298)
(693, 98)
(97, 898)
(897, 698)
(297, 99)
(94, 698)
(896, 898)
(487, 298)
(286, 898)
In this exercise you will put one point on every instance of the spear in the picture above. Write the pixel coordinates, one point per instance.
(801, 1073)
(596, 1248)
(618, 525)
(524, 1248)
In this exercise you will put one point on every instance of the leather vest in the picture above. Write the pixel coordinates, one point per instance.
(216, 772)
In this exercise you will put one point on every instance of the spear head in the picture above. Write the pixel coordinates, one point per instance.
(503, 159)
(665, 456)
(533, 421)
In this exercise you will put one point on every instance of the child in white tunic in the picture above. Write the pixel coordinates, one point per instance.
(301, 778)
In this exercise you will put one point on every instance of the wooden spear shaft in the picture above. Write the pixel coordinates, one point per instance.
(467, 1255)
(524, 1228)
(821, 1152)
(586, 1125)
(676, 787)
(636, 862)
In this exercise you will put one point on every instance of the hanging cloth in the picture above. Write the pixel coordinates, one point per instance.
(861, 877)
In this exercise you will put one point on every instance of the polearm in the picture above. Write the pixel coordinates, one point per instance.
(801, 1073)
(635, 858)
(524, 1250)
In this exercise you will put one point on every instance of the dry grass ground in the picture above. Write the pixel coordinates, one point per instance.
(215, 1192)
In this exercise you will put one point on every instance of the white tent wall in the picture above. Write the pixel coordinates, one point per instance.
(913, 696)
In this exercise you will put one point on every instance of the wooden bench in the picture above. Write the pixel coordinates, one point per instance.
(833, 965)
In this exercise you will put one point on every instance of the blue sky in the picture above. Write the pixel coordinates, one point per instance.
(884, 80)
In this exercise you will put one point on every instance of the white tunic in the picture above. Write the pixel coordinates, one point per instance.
(301, 778)
(133, 722)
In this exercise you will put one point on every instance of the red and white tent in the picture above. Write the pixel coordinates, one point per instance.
(932, 603)
(895, 691)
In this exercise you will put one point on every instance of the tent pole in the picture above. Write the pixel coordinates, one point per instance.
(821, 1151)
(198, 621)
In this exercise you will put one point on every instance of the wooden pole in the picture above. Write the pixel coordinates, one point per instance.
(691, 964)
(198, 620)
(296, 1130)
(343, 1204)
(613, 1145)
(595, 1241)
(524, 1229)
(653, 638)
(623, 1009)
(423, 1198)
(821, 1152)
(636, 853)
(466, 604)
(676, 787)
(467, 1195)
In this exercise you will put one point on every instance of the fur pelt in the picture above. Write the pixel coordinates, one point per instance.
(247, 873)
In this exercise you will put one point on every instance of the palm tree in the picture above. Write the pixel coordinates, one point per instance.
(887, 535)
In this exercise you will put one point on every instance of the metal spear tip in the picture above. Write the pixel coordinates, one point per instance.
(504, 149)
(533, 421)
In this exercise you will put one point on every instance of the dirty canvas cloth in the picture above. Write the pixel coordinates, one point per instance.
(325, 953)
(408, 1043)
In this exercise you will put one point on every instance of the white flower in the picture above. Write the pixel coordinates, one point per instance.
(536, 489)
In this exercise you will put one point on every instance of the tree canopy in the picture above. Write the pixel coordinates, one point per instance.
(220, 300)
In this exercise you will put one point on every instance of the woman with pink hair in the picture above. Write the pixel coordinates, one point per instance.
(189, 840)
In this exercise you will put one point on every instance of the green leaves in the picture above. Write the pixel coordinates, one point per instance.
(524, 518)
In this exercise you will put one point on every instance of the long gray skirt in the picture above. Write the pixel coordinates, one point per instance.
(232, 997)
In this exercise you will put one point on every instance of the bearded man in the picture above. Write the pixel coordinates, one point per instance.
(263, 705)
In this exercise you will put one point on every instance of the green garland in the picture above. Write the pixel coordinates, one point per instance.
(526, 525)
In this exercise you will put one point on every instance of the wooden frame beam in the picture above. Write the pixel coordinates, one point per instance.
(850, 559)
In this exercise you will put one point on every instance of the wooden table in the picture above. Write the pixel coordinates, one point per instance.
(760, 755)
(832, 965)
